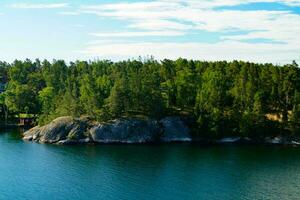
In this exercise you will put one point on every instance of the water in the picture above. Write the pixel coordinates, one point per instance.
(171, 172)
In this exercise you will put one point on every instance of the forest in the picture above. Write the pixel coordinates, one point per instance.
(223, 98)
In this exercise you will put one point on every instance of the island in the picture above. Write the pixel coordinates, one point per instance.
(149, 101)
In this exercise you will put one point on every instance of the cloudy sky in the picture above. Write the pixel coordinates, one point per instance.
(253, 30)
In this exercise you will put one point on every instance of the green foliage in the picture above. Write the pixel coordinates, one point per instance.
(211, 100)
(224, 98)
(118, 101)
(21, 98)
(295, 117)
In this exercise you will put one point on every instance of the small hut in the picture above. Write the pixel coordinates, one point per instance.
(26, 121)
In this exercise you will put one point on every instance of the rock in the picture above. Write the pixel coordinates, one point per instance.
(72, 141)
(59, 130)
(32, 134)
(28, 137)
(126, 131)
(295, 143)
(84, 141)
(229, 140)
(56, 131)
(175, 130)
(66, 142)
(66, 130)
(275, 140)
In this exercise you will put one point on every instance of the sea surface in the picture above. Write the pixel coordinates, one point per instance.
(163, 172)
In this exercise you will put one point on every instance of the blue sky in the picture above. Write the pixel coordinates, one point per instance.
(253, 30)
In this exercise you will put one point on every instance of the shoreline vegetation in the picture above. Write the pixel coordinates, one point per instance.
(221, 99)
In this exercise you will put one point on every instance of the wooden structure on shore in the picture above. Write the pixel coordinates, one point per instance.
(26, 121)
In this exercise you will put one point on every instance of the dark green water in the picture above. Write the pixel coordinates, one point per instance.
(183, 172)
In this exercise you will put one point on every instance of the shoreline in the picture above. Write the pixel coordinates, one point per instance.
(174, 129)
(204, 143)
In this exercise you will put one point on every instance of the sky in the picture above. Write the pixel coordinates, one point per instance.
(249, 30)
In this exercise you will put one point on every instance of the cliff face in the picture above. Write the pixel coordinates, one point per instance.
(66, 130)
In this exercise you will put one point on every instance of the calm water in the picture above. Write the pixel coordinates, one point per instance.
(33, 171)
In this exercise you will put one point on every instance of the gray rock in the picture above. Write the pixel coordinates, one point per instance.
(73, 141)
(295, 143)
(57, 130)
(275, 140)
(66, 130)
(229, 140)
(175, 130)
(32, 134)
(84, 141)
(126, 131)
(60, 129)
(65, 142)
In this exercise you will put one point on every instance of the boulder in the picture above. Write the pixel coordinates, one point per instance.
(60, 129)
(32, 134)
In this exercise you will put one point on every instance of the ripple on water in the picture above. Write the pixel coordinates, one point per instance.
(171, 172)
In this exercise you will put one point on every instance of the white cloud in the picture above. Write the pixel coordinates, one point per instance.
(181, 17)
(134, 6)
(226, 50)
(39, 6)
(138, 34)
(159, 25)
(72, 13)
(167, 15)
(208, 4)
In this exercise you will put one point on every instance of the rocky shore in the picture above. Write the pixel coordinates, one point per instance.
(67, 130)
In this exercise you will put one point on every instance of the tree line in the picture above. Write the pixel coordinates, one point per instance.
(237, 98)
